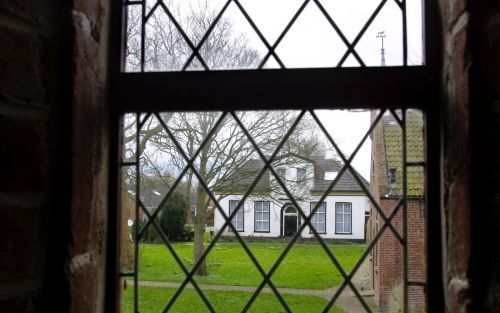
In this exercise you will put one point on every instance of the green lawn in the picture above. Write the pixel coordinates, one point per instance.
(154, 299)
(306, 265)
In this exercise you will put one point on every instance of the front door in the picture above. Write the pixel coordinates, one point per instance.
(290, 225)
(290, 221)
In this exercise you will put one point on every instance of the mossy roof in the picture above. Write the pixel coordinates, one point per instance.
(393, 141)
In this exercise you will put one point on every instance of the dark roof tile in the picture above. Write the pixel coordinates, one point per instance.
(241, 182)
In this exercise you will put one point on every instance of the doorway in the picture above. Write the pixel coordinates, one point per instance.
(290, 221)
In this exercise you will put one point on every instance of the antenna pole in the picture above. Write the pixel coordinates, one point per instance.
(381, 35)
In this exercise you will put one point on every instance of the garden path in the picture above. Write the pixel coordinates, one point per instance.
(347, 300)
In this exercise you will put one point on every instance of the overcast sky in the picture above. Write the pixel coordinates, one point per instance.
(312, 42)
(347, 129)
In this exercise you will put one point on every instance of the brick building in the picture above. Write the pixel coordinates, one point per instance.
(386, 186)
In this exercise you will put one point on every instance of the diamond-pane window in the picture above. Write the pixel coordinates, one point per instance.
(268, 188)
(177, 35)
(218, 161)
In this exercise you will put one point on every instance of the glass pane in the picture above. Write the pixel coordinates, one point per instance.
(415, 32)
(165, 49)
(347, 224)
(128, 220)
(311, 42)
(271, 16)
(233, 44)
(350, 16)
(214, 168)
(133, 53)
(386, 29)
(320, 227)
(226, 34)
(129, 137)
(258, 206)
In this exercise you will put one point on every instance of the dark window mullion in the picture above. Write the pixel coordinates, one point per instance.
(390, 87)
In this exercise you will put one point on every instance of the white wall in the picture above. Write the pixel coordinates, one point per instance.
(248, 208)
(359, 206)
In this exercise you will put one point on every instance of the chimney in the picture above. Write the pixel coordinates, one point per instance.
(329, 154)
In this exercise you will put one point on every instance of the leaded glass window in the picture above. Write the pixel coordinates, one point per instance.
(236, 66)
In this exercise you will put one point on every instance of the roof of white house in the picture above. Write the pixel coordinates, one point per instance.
(346, 183)
(242, 179)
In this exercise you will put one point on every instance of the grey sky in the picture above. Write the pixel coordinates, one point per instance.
(312, 42)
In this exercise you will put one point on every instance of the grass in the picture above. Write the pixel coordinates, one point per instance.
(154, 299)
(306, 265)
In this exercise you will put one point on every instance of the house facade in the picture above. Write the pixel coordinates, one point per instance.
(387, 259)
(269, 212)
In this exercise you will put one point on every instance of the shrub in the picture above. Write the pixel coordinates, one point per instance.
(150, 235)
(173, 217)
(187, 233)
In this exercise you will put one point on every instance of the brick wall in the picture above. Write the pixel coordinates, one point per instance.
(54, 161)
(456, 167)
(378, 179)
(471, 154)
(388, 272)
(34, 103)
(484, 83)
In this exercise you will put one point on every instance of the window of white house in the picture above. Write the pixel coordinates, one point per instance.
(261, 216)
(281, 172)
(330, 175)
(343, 218)
(318, 220)
(239, 216)
(301, 174)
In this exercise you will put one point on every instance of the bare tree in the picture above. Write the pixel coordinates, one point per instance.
(166, 49)
(223, 157)
(221, 162)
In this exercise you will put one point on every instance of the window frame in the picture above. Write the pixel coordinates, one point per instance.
(390, 87)
(281, 171)
(241, 211)
(324, 205)
(268, 217)
(343, 218)
(303, 175)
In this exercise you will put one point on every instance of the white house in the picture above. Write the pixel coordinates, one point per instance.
(268, 211)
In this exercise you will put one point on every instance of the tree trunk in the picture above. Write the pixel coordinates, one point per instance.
(200, 220)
